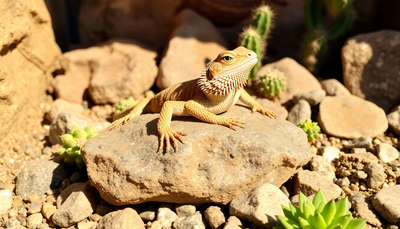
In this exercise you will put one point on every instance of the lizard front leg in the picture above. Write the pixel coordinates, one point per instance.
(135, 112)
(255, 107)
(198, 111)
(169, 109)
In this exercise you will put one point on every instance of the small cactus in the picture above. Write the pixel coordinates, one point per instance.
(262, 20)
(125, 104)
(250, 39)
(319, 214)
(72, 144)
(272, 83)
(310, 128)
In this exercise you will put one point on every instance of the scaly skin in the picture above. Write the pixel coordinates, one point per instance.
(216, 91)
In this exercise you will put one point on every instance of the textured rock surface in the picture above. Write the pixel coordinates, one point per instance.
(28, 56)
(126, 218)
(215, 216)
(387, 203)
(260, 206)
(298, 78)
(351, 117)
(193, 221)
(312, 97)
(309, 182)
(111, 71)
(131, 19)
(322, 166)
(195, 41)
(300, 112)
(371, 66)
(61, 105)
(79, 205)
(387, 152)
(40, 176)
(215, 164)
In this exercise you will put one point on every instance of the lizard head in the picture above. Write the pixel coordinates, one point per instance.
(228, 72)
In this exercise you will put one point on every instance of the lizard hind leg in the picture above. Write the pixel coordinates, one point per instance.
(135, 112)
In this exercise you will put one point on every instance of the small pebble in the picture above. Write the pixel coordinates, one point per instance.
(358, 150)
(343, 182)
(361, 174)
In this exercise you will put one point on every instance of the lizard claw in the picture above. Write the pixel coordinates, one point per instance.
(119, 122)
(264, 111)
(168, 135)
(232, 122)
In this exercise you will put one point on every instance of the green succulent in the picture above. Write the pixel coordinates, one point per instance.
(73, 142)
(310, 128)
(125, 104)
(272, 83)
(319, 214)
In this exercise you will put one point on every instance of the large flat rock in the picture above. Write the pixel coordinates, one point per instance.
(216, 164)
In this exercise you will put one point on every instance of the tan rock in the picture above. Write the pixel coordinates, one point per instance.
(79, 205)
(48, 210)
(298, 78)
(195, 41)
(34, 219)
(387, 203)
(149, 22)
(72, 85)
(129, 70)
(233, 222)
(260, 206)
(126, 218)
(371, 66)
(309, 182)
(322, 166)
(28, 56)
(86, 225)
(206, 168)
(61, 105)
(215, 216)
(351, 117)
(334, 88)
(366, 211)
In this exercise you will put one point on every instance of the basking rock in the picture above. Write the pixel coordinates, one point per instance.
(298, 78)
(351, 117)
(216, 164)
(195, 41)
(371, 66)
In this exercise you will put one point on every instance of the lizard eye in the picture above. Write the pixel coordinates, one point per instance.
(227, 58)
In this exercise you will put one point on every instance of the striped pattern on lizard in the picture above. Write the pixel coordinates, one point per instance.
(216, 91)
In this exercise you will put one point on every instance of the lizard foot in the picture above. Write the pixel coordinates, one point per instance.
(169, 134)
(232, 122)
(264, 111)
(119, 122)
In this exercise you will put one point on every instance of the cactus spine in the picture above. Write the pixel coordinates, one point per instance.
(254, 37)
(314, 44)
(250, 39)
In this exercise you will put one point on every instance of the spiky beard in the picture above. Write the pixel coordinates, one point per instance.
(224, 84)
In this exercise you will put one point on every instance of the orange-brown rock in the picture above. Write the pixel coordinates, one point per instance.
(216, 164)
(28, 56)
(194, 42)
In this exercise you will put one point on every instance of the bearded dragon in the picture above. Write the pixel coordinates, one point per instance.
(216, 91)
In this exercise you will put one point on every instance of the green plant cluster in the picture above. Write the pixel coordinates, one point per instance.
(314, 44)
(73, 142)
(125, 104)
(272, 83)
(310, 128)
(254, 37)
(319, 214)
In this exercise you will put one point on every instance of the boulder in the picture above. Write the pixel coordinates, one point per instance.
(216, 164)
(371, 66)
(28, 56)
